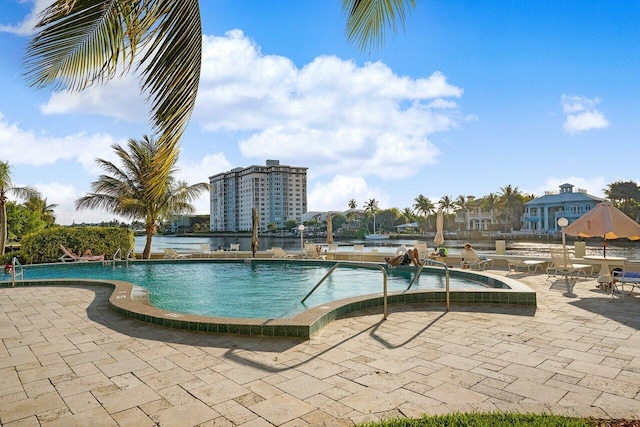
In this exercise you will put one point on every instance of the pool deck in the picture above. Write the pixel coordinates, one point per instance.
(67, 359)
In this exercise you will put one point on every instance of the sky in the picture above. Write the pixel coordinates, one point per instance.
(468, 98)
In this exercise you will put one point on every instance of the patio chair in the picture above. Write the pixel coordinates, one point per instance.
(358, 250)
(278, 252)
(235, 247)
(423, 251)
(170, 253)
(562, 263)
(470, 259)
(205, 250)
(630, 275)
(68, 255)
(310, 251)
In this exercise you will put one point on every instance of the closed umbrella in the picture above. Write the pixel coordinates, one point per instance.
(255, 241)
(606, 221)
(329, 229)
(439, 239)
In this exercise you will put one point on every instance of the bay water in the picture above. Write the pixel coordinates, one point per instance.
(621, 248)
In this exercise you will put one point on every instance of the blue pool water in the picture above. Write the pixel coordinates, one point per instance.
(249, 290)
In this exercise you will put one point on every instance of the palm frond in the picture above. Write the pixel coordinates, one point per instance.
(81, 43)
(367, 20)
(172, 64)
(99, 201)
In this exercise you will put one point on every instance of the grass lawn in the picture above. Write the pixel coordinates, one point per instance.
(499, 419)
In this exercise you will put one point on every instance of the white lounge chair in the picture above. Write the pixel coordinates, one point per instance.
(562, 263)
(70, 256)
(515, 263)
(170, 253)
(470, 259)
(278, 252)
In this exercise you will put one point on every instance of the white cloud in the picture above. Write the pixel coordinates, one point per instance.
(26, 147)
(120, 98)
(335, 194)
(242, 89)
(65, 195)
(582, 114)
(28, 24)
(331, 114)
(193, 172)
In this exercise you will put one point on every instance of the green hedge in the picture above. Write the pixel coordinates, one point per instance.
(44, 246)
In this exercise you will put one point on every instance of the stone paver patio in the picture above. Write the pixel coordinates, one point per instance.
(67, 360)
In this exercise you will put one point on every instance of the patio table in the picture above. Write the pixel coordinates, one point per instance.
(604, 275)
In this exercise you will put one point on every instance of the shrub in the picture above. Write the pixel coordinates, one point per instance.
(44, 246)
(7, 257)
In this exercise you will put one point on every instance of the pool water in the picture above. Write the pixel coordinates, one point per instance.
(246, 290)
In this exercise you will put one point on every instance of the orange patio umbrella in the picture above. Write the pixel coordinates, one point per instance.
(606, 221)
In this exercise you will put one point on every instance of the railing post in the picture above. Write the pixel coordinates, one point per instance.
(360, 264)
(446, 274)
(13, 272)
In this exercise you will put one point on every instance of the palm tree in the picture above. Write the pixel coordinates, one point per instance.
(491, 202)
(408, 215)
(352, 204)
(45, 211)
(6, 187)
(447, 204)
(510, 199)
(371, 207)
(82, 43)
(425, 206)
(126, 190)
(461, 202)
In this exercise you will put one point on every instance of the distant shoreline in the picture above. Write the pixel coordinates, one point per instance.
(472, 237)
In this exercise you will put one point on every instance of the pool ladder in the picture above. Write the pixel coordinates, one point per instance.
(446, 275)
(114, 260)
(371, 265)
(15, 264)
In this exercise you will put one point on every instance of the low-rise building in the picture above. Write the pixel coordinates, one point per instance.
(542, 213)
(475, 217)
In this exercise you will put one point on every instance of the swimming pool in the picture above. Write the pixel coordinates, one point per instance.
(176, 279)
(257, 289)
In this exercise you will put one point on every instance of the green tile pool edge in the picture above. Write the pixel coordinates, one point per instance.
(305, 325)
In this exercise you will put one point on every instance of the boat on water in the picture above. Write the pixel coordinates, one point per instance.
(376, 236)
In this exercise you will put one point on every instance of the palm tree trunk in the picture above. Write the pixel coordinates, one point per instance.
(151, 230)
(3, 225)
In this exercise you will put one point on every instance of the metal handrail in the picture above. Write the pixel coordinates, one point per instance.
(114, 256)
(14, 262)
(128, 256)
(357, 264)
(446, 275)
